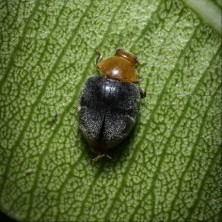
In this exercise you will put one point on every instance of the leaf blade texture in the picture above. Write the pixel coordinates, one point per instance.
(170, 167)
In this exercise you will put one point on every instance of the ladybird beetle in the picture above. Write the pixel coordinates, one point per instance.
(109, 104)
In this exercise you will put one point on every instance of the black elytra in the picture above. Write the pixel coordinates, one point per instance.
(108, 110)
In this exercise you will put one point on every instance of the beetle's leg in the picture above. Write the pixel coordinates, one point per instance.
(142, 93)
(101, 156)
(108, 156)
(98, 157)
(99, 57)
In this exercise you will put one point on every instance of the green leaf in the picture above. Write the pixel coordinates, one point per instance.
(170, 167)
(209, 11)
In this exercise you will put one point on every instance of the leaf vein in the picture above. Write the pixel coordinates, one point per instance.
(19, 43)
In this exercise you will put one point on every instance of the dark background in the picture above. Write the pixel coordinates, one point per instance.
(5, 218)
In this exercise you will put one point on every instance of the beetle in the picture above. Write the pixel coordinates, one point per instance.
(109, 104)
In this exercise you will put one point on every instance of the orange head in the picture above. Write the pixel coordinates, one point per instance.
(120, 67)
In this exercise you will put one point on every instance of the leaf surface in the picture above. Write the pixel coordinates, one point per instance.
(170, 167)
